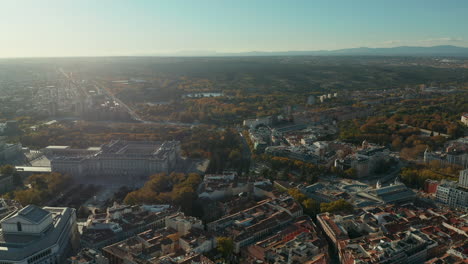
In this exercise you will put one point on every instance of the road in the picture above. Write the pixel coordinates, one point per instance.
(78, 88)
(109, 93)
(134, 115)
(427, 132)
(246, 154)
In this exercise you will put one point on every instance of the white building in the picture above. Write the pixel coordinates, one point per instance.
(38, 235)
(197, 241)
(449, 194)
(463, 179)
(464, 119)
(183, 223)
(9, 151)
(219, 186)
(252, 123)
(118, 158)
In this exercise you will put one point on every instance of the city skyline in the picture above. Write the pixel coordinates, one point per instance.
(140, 28)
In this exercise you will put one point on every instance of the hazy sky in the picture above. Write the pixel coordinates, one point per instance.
(136, 27)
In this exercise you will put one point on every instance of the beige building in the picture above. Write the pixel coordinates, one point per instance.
(117, 158)
(183, 223)
(464, 119)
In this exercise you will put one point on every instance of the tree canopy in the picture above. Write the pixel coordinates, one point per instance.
(177, 188)
(225, 246)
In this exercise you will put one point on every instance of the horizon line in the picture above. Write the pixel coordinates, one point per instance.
(179, 54)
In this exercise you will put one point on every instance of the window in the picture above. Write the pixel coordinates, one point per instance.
(19, 227)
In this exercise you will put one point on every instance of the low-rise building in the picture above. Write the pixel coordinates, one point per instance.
(185, 259)
(299, 242)
(261, 138)
(220, 186)
(365, 160)
(394, 234)
(430, 186)
(250, 225)
(410, 247)
(183, 224)
(197, 241)
(121, 222)
(455, 154)
(357, 193)
(253, 123)
(464, 119)
(394, 193)
(88, 256)
(164, 245)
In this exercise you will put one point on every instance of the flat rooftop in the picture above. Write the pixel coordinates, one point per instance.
(94, 148)
(16, 247)
(57, 147)
(33, 169)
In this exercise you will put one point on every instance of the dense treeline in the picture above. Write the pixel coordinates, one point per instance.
(178, 189)
(223, 110)
(312, 207)
(9, 170)
(43, 187)
(402, 132)
(440, 115)
(252, 86)
(337, 206)
(223, 147)
(425, 110)
(261, 74)
(416, 175)
(84, 134)
(281, 168)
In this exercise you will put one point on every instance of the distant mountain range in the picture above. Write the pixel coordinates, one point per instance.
(445, 50)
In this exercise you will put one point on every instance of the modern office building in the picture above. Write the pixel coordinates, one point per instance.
(38, 235)
(117, 158)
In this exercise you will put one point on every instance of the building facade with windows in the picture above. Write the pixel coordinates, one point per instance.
(117, 158)
(464, 119)
(9, 152)
(450, 194)
(35, 235)
(463, 179)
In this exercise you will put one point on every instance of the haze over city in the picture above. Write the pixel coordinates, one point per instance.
(233, 132)
(128, 28)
